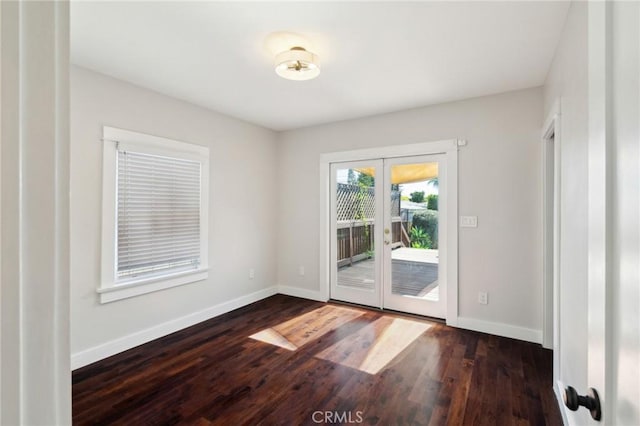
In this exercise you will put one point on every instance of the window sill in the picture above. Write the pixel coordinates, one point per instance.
(135, 288)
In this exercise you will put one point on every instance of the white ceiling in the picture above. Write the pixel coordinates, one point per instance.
(376, 57)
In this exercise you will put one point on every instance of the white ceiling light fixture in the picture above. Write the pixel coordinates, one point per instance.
(297, 64)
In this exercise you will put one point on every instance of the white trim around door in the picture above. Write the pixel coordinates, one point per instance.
(449, 151)
(551, 144)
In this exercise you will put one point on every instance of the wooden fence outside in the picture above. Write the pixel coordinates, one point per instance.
(355, 208)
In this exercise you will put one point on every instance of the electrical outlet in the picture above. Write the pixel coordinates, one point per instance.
(252, 273)
(483, 298)
(301, 270)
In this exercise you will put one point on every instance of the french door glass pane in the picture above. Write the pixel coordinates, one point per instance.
(414, 223)
(355, 227)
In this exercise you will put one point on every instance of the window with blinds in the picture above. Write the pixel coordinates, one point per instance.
(158, 215)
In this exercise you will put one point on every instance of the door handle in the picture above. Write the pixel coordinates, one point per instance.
(591, 401)
(387, 242)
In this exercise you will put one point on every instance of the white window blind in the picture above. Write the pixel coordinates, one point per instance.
(158, 215)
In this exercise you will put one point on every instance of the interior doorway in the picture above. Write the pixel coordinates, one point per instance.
(551, 224)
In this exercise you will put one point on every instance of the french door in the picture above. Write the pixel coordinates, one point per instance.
(388, 233)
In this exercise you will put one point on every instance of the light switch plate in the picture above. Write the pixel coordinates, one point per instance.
(469, 221)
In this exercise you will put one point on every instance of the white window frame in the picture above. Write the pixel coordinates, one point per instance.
(113, 138)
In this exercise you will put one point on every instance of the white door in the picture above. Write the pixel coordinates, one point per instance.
(614, 209)
(356, 218)
(607, 356)
(386, 250)
(414, 263)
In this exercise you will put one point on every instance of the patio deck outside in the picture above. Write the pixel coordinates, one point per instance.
(414, 273)
(414, 270)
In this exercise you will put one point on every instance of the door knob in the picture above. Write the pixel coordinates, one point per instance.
(387, 242)
(591, 401)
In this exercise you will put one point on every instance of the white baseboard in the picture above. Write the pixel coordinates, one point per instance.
(498, 329)
(302, 293)
(96, 353)
(501, 329)
(88, 356)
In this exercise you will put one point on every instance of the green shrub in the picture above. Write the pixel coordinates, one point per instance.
(417, 197)
(432, 201)
(419, 238)
(427, 220)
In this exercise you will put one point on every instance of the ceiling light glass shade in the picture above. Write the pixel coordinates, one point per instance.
(297, 64)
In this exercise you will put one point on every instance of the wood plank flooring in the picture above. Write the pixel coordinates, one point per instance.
(291, 361)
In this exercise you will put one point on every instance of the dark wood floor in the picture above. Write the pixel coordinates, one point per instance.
(346, 363)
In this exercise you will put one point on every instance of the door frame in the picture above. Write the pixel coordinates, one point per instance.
(447, 147)
(551, 145)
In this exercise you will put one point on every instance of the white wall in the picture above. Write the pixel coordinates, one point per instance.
(242, 223)
(499, 181)
(567, 81)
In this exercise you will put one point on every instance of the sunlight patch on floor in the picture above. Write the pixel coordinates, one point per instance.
(298, 331)
(375, 345)
(272, 337)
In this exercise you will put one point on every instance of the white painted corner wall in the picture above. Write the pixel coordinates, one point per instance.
(500, 181)
(242, 219)
(502, 161)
